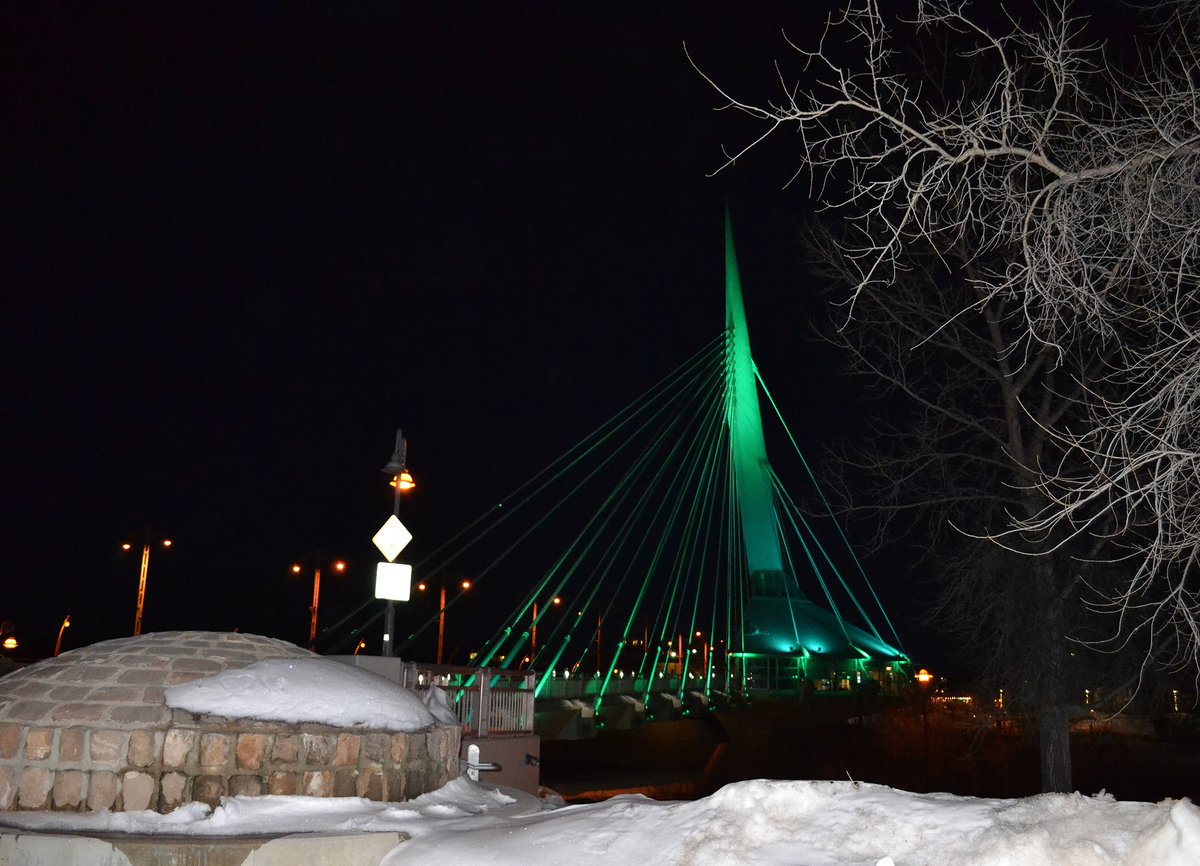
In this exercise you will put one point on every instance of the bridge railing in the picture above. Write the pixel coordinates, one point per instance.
(486, 701)
(589, 687)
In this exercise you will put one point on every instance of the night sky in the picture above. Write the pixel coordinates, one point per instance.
(246, 242)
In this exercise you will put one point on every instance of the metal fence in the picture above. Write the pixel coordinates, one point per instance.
(486, 701)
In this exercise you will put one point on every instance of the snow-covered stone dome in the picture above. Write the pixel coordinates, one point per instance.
(91, 730)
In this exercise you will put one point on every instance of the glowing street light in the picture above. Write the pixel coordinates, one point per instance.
(7, 639)
(421, 587)
(145, 570)
(397, 467)
(339, 566)
(533, 631)
(924, 678)
(66, 623)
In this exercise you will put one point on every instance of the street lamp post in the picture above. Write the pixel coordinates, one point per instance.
(7, 639)
(339, 566)
(422, 586)
(402, 482)
(66, 623)
(924, 678)
(145, 570)
(533, 630)
(704, 655)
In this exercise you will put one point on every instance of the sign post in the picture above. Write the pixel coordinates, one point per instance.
(393, 580)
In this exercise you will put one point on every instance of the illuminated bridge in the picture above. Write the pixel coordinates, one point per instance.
(663, 556)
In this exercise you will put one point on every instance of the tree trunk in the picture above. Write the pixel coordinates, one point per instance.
(1054, 742)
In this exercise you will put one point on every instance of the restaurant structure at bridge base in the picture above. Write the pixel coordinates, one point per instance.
(793, 647)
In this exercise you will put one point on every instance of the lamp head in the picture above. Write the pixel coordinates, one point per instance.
(399, 460)
(397, 467)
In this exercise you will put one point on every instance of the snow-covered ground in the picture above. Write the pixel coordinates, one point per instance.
(771, 823)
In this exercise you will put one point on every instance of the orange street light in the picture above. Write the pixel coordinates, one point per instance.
(924, 677)
(339, 566)
(397, 467)
(66, 623)
(142, 574)
(403, 482)
(533, 630)
(10, 643)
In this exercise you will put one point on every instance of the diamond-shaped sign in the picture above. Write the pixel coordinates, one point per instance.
(392, 538)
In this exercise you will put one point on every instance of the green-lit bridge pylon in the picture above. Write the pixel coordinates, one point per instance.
(786, 639)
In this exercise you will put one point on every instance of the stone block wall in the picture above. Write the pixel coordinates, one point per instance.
(206, 758)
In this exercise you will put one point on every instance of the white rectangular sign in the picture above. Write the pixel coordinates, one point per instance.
(393, 581)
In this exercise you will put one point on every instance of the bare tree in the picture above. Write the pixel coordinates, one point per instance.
(965, 454)
(1069, 191)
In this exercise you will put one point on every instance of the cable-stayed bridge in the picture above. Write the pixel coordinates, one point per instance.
(663, 555)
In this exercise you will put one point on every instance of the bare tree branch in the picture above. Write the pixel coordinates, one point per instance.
(1072, 191)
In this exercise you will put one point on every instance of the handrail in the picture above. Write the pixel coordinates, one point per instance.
(486, 701)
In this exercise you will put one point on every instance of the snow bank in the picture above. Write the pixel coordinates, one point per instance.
(771, 823)
(766, 823)
(309, 689)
